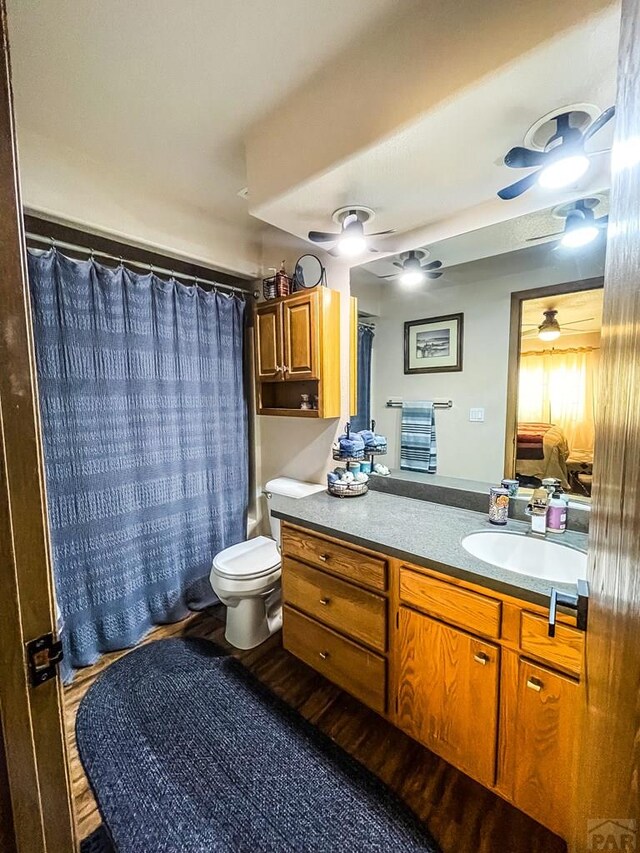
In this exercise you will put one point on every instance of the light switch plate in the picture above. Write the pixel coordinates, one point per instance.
(476, 415)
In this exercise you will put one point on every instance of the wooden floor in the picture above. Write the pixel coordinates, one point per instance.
(462, 816)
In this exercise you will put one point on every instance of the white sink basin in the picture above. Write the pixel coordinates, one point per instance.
(527, 555)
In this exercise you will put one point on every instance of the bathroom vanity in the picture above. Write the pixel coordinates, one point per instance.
(456, 656)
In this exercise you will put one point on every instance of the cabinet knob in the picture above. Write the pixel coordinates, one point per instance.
(285, 369)
(324, 655)
(534, 683)
(481, 658)
(325, 601)
(323, 557)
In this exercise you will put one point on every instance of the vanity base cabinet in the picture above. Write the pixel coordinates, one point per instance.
(543, 736)
(448, 693)
(467, 671)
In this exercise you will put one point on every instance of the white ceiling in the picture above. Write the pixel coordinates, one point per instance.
(164, 96)
(581, 310)
(162, 93)
(510, 235)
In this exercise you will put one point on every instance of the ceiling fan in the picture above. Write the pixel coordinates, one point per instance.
(550, 328)
(351, 239)
(413, 270)
(562, 161)
(580, 227)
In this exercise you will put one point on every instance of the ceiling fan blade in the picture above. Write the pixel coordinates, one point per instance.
(521, 186)
(573, 322)
(522, 158)
(602, 222)
(434, 265)
(603, 118)
(381, 233)
(544, 236)
(434, 274)
(322, 236)
(396, 264)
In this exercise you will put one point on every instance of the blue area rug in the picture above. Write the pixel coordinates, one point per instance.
(186, 751)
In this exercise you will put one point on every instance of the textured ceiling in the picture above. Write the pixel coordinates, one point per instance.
(572, 308)
(162, 93)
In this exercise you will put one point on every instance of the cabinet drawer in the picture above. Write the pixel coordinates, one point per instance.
(564, 651)
(335, 558)
(355, 612)
(469, 610)
(358, 671)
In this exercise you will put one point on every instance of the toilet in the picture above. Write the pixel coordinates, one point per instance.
(246, 576)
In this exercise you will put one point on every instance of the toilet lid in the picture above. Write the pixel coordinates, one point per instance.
(252, 558)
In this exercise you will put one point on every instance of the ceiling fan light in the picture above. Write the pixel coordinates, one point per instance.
(563, 172)
(574, 238)
(351, 245)
(411, 278)
(549, 334)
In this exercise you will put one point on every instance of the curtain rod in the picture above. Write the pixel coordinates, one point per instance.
(94, 253)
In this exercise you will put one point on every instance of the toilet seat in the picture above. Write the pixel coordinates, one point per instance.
(248, 560)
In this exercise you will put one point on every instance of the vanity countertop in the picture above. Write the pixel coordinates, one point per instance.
(420, 532)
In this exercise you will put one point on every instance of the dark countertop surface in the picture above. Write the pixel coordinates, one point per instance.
(420, 532)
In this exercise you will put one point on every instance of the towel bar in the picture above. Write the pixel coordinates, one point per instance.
(438, 404)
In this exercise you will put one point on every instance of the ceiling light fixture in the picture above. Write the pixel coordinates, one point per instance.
(352, 240)
(412, 272)
(563, 172)
(549, 329)
(580, 228)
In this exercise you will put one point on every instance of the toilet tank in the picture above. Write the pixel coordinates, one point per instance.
(289, 488)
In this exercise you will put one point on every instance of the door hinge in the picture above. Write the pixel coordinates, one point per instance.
(43, 656)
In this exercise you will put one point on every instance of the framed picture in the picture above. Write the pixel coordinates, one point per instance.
(433, 345)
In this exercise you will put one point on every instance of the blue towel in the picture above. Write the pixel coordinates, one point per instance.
(352, 444)
(418, 437)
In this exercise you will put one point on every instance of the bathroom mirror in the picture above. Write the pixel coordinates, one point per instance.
(309, 272)
(523, 400)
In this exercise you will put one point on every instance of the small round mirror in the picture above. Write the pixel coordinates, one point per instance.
(309, 271)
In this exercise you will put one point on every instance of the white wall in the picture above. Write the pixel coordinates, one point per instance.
(468, 450)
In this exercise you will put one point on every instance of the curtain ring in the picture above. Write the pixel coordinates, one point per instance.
(53, 244)
(92, 256)
(121, 261)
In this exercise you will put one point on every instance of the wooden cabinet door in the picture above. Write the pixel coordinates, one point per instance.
(544, 740)
(448, 693)
(301, 337)
(269, 342)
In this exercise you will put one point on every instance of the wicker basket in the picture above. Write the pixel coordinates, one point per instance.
(381, 450)
(358, 456)
(347, 490)
(269, 287)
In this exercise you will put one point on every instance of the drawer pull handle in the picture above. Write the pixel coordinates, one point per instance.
(481, 658)
(323, 557)
(534, 684)
(324, 655)
(325, 601)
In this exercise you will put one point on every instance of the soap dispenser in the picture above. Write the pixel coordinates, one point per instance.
(557, 513)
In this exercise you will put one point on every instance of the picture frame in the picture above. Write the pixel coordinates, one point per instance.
(434, 344)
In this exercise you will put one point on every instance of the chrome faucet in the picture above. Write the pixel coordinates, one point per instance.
(537, 509)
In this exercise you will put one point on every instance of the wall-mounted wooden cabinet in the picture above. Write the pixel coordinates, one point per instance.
(297, 351)
(470, 673)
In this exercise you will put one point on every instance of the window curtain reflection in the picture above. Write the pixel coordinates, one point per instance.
(365, 348)
(560, 387)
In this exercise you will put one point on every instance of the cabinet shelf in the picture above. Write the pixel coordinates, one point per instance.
(290, 413)
(297, 351)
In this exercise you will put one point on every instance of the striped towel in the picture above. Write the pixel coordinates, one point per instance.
(418, 437)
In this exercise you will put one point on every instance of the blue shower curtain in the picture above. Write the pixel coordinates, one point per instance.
(144, 423)
(365, 346)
